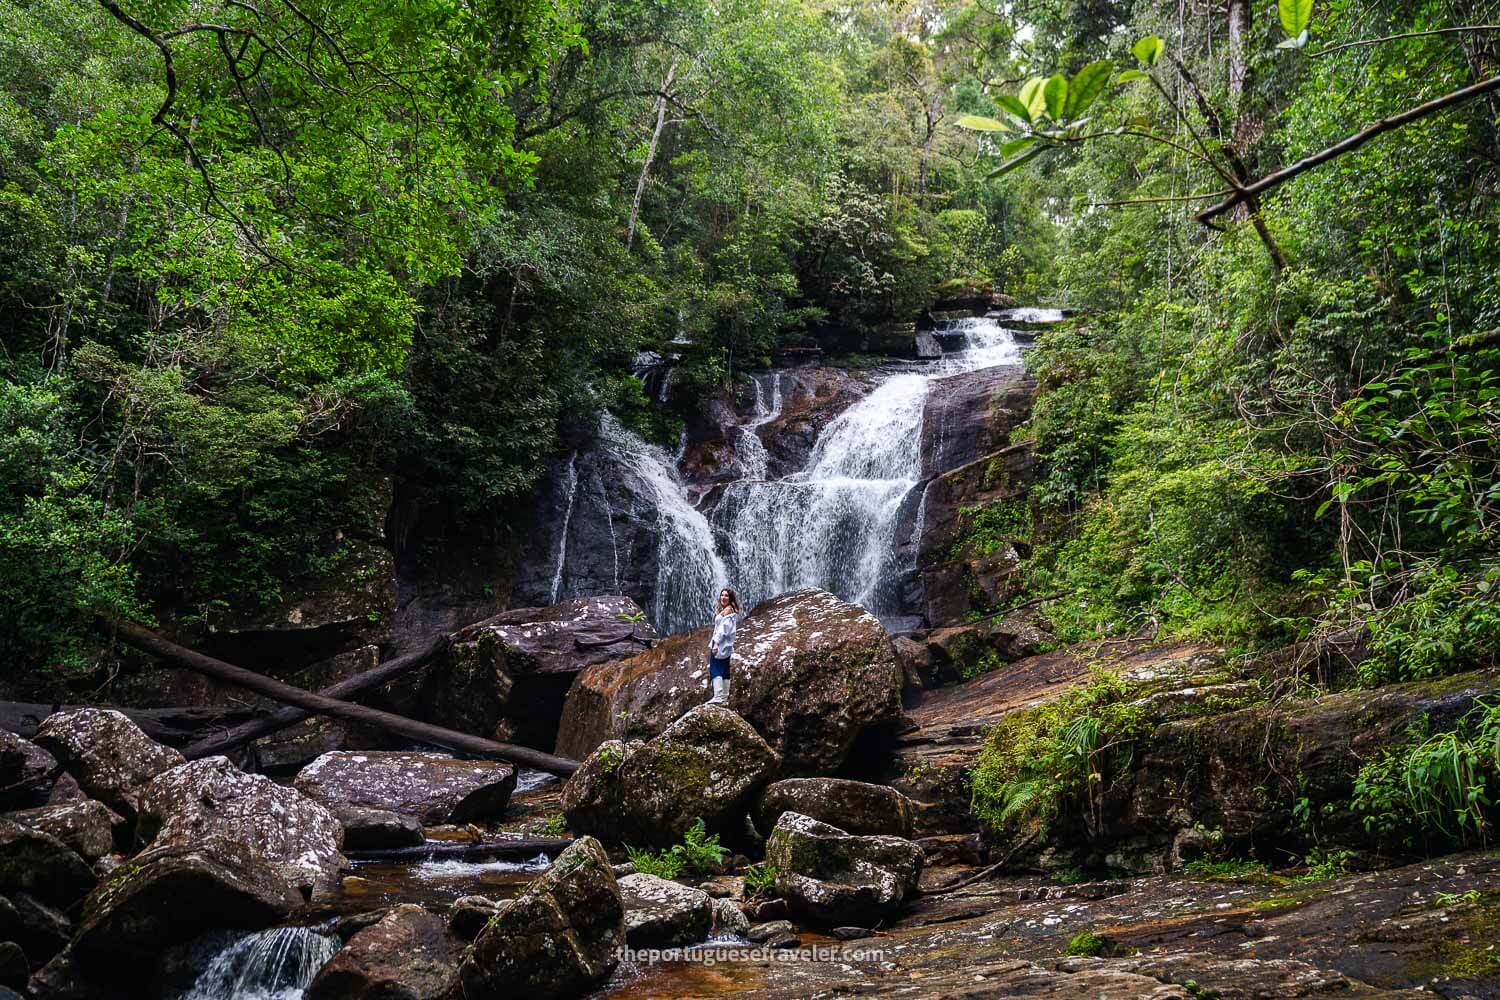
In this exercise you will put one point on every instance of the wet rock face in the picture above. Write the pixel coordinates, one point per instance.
(376, 829)
(508, 676)
(40, 865)
(432, 787)
(664, 914)
(85, 825)
(709, 764)
(171, 894)
(560, 938)
(211, 798)
(108, 754)
(854, 806)
(408, 955)
(834, 878)
(810, 672)
(26, 772)
(971, 415)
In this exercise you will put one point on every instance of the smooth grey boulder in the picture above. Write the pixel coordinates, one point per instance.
(709, 764)
(560, 937)
(292, 834)
(663, 914)
(109, 756)
(832, 877)
(854, 806)
(433, 788)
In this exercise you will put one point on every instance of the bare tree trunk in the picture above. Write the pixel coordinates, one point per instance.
(180, 656)
(1245, 127)
(661, 123)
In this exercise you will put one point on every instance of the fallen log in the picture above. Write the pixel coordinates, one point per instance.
(238, 736)
(172, 726)
(180, 656)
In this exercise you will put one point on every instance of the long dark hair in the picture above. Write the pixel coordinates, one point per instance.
(734, 600)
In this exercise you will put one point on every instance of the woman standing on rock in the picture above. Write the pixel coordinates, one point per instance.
(721, 644)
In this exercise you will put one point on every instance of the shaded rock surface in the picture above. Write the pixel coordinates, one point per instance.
(84, 825)
(40, 865)
(26, 772)
(368, 829)
(408, 955)
(812, 674)
(664, 914)
(107, 754)
(432, 787)
(854, 806)
(559, 938)
(832, 877)
(211, 798)
(709, 764)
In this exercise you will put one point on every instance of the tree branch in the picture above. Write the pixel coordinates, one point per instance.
(1405, 34)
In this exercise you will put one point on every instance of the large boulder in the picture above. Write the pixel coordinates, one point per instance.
(42, 930)
(84, 825)
(561, 937)
(111, 758)
(432, 787)
(295, 836)
(170, 894)
(368, 829)
(833, 877)
(26, 771)
(506, 677)
(408, 955)
(664, 914)
(709, 764)
(811, 674)
(40, 865)
(855, 806)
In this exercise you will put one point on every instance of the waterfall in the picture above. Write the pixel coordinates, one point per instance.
(753, 457)
(689, 571)
(276, 964)
(570, 485)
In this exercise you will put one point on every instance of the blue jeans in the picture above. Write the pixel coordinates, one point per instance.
(718, 666)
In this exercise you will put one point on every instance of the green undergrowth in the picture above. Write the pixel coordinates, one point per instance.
(699, 851)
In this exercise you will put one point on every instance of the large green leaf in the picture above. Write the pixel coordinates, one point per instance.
(1015, 146)
(1016, 106)
(1086, 86)
(1031, 96)
(1149, 49)
(1295, 16)
(1131, 75)
(1055, 92)
(979, 123)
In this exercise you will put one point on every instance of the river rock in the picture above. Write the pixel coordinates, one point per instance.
(111, 758)
(211, 797)
(709, 764)
(40, 865)
(41, 930)
(432, 787)
(173, 893)
(833, 877)
(377, 829)
(408, 955)
(729, 918)
(26, 772)
(560, 937)
(664, 914)
(507, 676)
(14, 969)
(85, 826)
(854, 806)
(469, 915)
(811, 674)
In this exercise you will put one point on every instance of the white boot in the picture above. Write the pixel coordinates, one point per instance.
(721, 691)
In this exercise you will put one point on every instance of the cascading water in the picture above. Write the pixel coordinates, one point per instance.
(276, 964)
(753, 457)
(834, 524)
(689, 571)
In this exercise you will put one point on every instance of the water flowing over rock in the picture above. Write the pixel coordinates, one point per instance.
(296, 836)
(560, 938)
(854, 806)
(707, 765)
(408, 955)
(275, 964)
(107, 753)
(432, 787)
(663, 914)
(812, 674)
(834, 878)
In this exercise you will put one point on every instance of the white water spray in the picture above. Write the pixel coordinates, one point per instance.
(276, 964)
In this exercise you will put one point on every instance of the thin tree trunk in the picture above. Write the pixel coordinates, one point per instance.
(661, 123)
(344, 689)
(180, 656)
(1245, 127)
